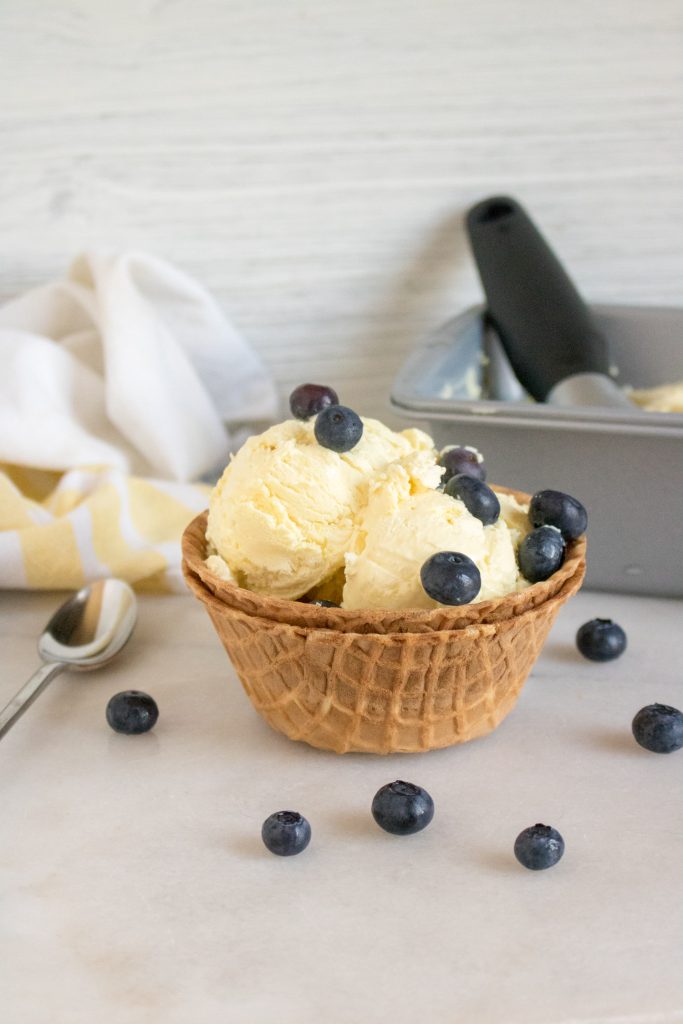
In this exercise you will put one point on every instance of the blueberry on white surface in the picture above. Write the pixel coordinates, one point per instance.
(402, 808)
(659, 728)
(479, 500)
(601, 640)
(338, 428)
(460, 459)
(132, 712)
(541, 553)
(309, 399)
(554, 508)
(450, 577)
(539, 847)
(286, 833)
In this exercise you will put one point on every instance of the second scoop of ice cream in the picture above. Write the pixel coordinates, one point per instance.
(286, 509)
(406, 521)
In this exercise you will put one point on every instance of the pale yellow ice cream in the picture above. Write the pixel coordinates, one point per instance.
(667, 398)
(286, 509)
(220, 568)
(406, 521)
(515, 517)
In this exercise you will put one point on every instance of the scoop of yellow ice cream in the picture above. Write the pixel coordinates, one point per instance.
(405, 522)
(515, 516)
(667, 398)
(219, 567)
(284, 513)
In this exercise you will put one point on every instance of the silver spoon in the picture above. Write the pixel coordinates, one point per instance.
(87, 631)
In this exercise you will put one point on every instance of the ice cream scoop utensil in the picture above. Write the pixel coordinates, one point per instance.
(549, 334)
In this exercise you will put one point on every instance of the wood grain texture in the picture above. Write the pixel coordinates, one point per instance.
(311, 162)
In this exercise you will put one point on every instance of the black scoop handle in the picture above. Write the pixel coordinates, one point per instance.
(546, 328)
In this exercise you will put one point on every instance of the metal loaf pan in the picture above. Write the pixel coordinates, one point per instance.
(627, 468)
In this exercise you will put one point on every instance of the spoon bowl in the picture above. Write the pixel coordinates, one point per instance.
(91, 627)
(87, 631)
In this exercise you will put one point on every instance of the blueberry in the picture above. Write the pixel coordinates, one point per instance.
(541, 553)
(309, 399)
(402, 808)
(286, 833)
(458, 459)
(338, 428)
(132, 712)
(553, 508)
(480, 501)
(450, 578)
(659, 728)
(601, 640)
(326, 604)
(539, 847)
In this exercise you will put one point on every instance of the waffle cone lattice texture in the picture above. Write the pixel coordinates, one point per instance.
(414, 689)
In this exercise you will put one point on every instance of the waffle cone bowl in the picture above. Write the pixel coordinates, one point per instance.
(380, 681)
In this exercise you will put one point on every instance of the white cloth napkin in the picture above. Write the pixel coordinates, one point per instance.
(127, 362)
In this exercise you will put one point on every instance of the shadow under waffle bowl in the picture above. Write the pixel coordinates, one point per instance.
(380, 681)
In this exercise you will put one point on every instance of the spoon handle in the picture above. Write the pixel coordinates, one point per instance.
(28, 693)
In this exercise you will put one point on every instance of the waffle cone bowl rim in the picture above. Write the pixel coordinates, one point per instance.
(377, 621)
(472, 631)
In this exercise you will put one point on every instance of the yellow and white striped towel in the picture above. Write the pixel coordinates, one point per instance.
(121, 385)
(62, 531)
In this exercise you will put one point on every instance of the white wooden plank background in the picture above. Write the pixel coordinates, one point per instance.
(311, 161)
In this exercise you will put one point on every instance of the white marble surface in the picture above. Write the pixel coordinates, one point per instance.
(136, 889)
(311, 163)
